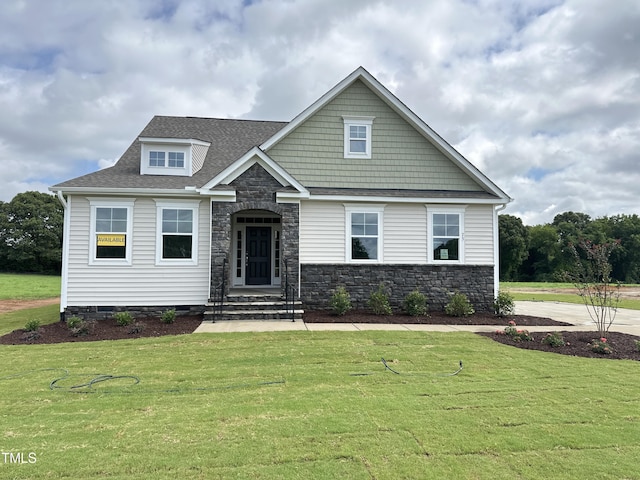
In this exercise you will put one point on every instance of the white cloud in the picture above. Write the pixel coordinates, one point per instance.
(542, 95)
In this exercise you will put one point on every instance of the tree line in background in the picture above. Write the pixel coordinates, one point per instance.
(31, 234)
(31, 226)
(543, 253)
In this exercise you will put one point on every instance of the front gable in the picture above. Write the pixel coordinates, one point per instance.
(225, 184)
(401, 157)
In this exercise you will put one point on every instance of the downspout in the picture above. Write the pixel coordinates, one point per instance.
(496, 250)
(65, 255)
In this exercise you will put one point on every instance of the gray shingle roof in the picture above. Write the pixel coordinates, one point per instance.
(230, 139)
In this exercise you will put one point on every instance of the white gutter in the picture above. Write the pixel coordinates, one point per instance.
(496, 250)
(64, 274)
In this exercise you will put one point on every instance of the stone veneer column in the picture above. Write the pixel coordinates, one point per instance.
(255, 190)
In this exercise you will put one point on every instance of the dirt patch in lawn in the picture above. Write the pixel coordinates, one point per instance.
(627, 293)
(12, 305)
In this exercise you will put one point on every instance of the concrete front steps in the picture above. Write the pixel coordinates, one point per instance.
(252, 307)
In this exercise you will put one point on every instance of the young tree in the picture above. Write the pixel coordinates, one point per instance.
(592, 277)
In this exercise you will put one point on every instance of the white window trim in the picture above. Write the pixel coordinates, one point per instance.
(193, 205)
(95, 203)
(366, 122)
(435, 209)
(146, 169)
(349, 209)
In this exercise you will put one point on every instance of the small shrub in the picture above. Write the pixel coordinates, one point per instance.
(169, 316)
(32, 326)
(340, 301)
(415, 304)
(638, 345)
(123, 318)
(379, 302)
(81, 328)
(73, 322)
(504, 304)
(136, 328)
(601, 346)
(554, 339)
(518, 335)
(459, 306)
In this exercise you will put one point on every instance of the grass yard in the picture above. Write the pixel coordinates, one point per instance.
(559, 292)
(28, 287)
(301, 405)
(11, 321)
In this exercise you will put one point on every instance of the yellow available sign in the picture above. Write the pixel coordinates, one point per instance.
(110, 240)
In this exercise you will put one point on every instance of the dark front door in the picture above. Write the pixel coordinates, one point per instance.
(258, 256)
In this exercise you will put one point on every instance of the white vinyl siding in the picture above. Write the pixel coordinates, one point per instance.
(322, 232)
(478, 233)
(405, 234)
(143, 282)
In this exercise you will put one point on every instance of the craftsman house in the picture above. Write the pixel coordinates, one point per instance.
(354, 191)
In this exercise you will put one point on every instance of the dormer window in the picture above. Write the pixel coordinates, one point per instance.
(176, 160)
(171, 156)
(357, 136)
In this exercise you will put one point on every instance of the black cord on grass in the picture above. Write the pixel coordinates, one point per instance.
(99, 378)
(87, 387)
(388, 367)
(422, 374)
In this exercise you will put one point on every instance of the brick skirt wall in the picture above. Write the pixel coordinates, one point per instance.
(437, 282)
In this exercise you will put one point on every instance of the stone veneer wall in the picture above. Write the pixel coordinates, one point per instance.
(255, 190)
(318, 282)
(106, 312)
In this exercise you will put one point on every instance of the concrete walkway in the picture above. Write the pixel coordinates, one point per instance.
(627, 321)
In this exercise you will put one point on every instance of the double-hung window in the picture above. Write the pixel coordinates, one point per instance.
(177, 232)
(110, 240)
(446, 235)
(166, 159)
(357, 136)
(364, 234)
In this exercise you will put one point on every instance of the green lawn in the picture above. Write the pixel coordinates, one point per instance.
(536, 292)
(28, 287)
(301, 405)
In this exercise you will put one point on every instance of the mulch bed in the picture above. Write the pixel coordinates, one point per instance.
(434, 318)
(58, 332)
(623, 346)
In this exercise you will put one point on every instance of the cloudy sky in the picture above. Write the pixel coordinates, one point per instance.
(543, 95)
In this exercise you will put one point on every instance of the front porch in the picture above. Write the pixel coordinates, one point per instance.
(254, 304)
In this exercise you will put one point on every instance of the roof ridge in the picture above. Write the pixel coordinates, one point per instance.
(220, 118)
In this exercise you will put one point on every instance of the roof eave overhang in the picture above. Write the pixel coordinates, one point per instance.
(416, 199)
(135, 192)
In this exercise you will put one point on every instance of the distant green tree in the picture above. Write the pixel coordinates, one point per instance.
(544, 254)
(31, 233)
(625, 260)
(514, 245)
